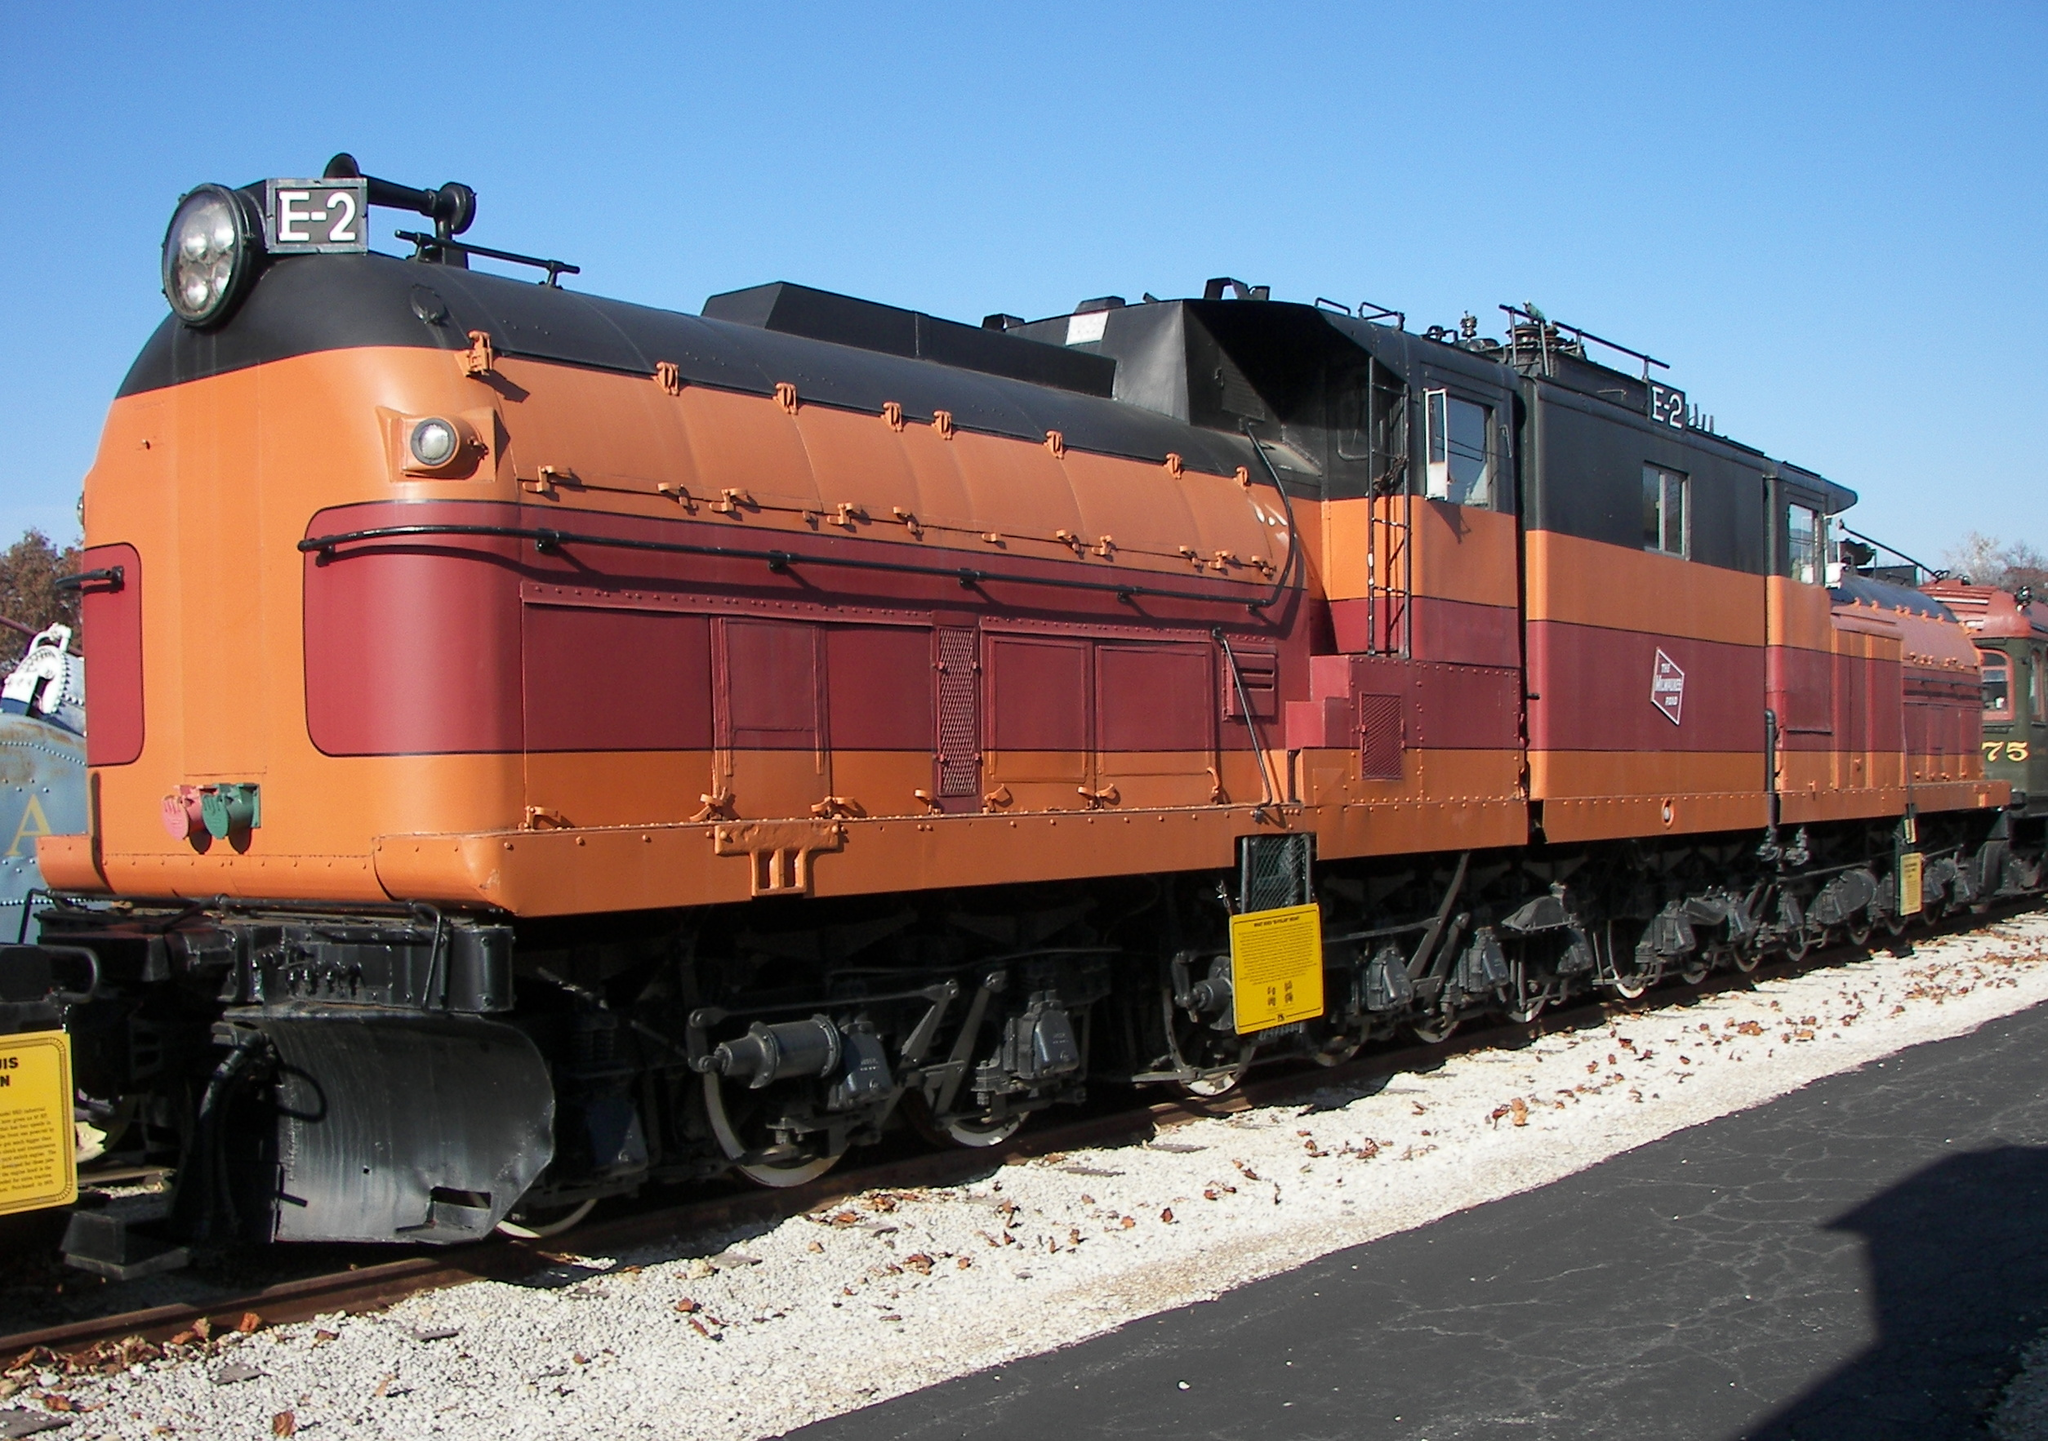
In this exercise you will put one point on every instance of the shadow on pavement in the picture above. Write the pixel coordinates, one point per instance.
(1958, 1256)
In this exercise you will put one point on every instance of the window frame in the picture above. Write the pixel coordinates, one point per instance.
(1818, 550)
(1989, 659)
(1665, 478)
(1437, 456)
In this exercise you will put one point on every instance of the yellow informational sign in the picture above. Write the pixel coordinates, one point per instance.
(38, 1147)
(1276, 967)
(1909, 883)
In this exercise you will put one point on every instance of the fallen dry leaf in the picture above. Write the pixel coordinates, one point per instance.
(250, 1323)
(284, 1423)
(686, 1306)
(1167, 1215)
(1519, 1110)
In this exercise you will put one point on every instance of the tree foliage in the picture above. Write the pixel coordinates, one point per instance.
(1987, 560)
(28, 590)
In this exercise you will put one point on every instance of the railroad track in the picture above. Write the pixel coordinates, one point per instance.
(372, 1287)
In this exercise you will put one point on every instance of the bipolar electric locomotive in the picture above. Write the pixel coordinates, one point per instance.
(544, 747)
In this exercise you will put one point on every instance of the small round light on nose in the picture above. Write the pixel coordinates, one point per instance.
(434, 443)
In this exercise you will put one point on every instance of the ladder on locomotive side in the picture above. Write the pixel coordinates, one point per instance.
(1389, 577)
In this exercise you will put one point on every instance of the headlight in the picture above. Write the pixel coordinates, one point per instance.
(433, 443)
(208, 254)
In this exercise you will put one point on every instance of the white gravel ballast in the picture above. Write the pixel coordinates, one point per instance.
(751, 1335)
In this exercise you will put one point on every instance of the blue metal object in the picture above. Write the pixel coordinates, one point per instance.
(42, 792)
(42, 765)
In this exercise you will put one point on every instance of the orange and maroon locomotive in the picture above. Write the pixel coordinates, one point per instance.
(544, 746)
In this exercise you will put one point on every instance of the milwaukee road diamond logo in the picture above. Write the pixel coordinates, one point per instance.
(1667, 688)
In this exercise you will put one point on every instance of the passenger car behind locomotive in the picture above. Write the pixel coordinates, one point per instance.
(659, 745)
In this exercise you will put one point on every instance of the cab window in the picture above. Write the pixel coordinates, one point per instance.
(1665, 495)
(1997, 686)
(1802, 549)
(1460, 450)
(2035, 688)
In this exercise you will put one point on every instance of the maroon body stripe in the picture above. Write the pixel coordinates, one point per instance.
(454, 643)
(1592, 692)
(1456, 631)
(1442, 707)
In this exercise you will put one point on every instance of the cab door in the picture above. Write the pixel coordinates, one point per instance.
(1800, 661)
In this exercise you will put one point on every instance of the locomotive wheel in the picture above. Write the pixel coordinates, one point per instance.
(767, 1168)
(978, 1131)
(1215, 1083)
(1435, 1030)
(974, 1132)
(1527, 1008)
(1630, 987)
(1746, 959)
(540, 1222)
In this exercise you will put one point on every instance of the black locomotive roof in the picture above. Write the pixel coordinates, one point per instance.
(1144, 381)
(306, 304)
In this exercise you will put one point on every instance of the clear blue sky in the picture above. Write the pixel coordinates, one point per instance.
(1829, 219)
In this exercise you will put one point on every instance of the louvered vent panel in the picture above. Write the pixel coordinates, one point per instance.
(1381, 739)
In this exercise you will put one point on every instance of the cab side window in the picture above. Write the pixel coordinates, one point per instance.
(1666, 494)
(1802, 544)
(1997, 686)
(2035, 687)
(1461, 459)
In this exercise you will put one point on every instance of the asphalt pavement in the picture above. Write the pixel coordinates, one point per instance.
(1861, 1259)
